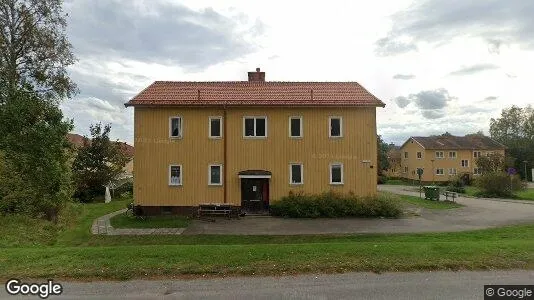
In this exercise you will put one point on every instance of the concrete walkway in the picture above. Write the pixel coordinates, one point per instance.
(103, 226)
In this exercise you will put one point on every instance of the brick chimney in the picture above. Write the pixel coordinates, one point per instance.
(256, 76)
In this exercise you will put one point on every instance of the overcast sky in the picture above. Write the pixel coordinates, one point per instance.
(439, 65)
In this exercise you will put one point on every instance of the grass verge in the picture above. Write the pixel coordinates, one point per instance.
(414, 200)
(502, 248)
(124, 221)
(527, 194)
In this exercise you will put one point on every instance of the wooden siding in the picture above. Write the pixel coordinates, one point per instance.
(444, 163)
(155, 151)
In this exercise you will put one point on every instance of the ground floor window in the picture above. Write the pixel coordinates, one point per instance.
(215, 175)
(452, 171)
(336, 173)
(439, 172)
(477, 171)
(175, 175)
(295, 173)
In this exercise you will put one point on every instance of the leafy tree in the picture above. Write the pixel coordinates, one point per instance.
(515, 129)
(492, 163)
(34, 174)
(382, 153)
(34, 50)
(98, 162)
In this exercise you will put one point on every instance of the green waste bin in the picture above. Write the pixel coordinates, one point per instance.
(431, 192)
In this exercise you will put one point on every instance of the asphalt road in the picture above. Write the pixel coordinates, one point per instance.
(424, 285)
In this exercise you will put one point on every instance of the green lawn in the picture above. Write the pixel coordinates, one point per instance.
(72, 252)
(124, 221)
(401, 182)
(527, 194)
(422, 202)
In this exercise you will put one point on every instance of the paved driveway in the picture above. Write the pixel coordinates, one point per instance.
(477, 214)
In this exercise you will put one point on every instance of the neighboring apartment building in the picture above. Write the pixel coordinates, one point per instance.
(443, 157)
(248, 143)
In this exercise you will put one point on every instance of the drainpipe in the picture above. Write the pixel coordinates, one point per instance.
(225, 167)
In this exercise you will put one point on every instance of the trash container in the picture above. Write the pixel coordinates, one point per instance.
(431, 192)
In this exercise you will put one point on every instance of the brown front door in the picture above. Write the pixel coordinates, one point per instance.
(255, 195)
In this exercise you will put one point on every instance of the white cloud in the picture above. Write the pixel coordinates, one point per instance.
(334, 42)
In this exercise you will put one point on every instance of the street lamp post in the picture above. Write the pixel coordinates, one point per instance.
(526, 175)
(433, 172)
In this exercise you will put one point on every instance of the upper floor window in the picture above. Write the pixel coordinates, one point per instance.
(439, 171)
(335, 126)
(215, 175)
(215, 127)
(452, 154)
(439, 154)
(336, 173)
(295, 126)
(255, 126)
(175, 175)
(465, 163)
(295, 174)
(405, 154)
(175, 127)
(476, 154)
(419, 155)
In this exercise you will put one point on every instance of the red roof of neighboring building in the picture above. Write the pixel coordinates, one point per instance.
(255, 93)
(77, 141)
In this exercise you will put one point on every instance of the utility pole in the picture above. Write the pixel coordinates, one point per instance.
(433, 172)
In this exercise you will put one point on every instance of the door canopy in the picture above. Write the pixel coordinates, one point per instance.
(254, 174)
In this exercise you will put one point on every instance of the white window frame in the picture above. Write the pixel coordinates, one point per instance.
(454, 156)
(342, 171)
(442, 155)
(476, 171)
(477, 154)
(419, 155)
(405, 169)
(466, 165)
(255, 136)
(451, 171)
(221, 174)
(442, 172)
(301, 129)
(330, 118)
(181, 175)
(291, 173)
(181, 133)
(220, 118)
(405, 154)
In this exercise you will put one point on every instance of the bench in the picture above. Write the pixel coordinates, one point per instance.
(452, 195)
(217, 209)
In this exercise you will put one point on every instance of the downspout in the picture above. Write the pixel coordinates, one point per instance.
(225, 167)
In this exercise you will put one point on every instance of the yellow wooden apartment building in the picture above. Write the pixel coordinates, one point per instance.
(248, 143)
(445, 156)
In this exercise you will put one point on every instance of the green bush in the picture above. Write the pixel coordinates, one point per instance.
(381, 179)
(334, 205)
(497, 184)
(457, 184)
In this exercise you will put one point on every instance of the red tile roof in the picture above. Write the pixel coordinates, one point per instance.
(245, 93)
(451, 142)
(78, 140)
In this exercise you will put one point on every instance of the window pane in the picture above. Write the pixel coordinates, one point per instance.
(176, 175)
(336, 173)
(215, 174)
(260, 127)
(215, 127)
(249, 127)
(296, 174)
(176, 126)
(295, 127)
(335, 127)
